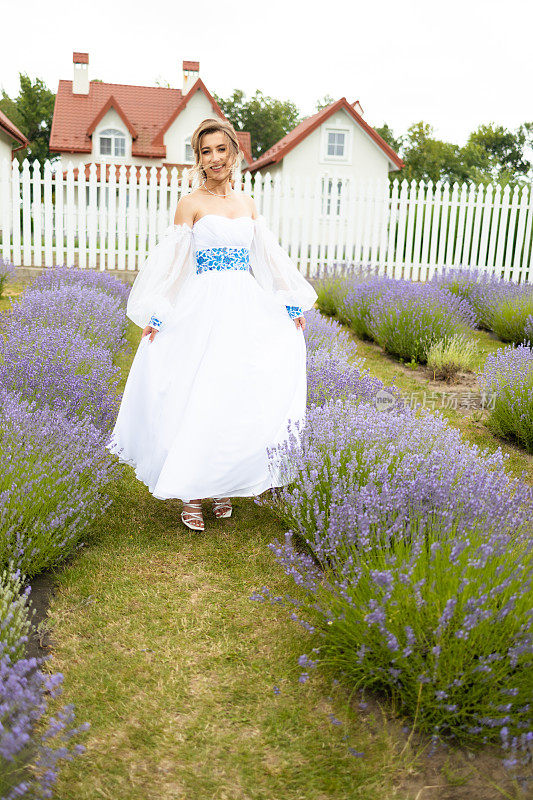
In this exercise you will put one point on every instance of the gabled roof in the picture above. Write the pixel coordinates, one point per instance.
(275, 153)
(147, 111)
(145, 107)
(199, 85)
(112, 103)
(245, 142)
(8, 127)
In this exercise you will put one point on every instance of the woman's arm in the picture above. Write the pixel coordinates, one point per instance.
(184, 216)
(185, 211)
(295, 312)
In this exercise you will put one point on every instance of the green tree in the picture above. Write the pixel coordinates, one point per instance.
(491, 154)
(387, 134)
(327, 100)
(427, 158)
(32, 111)
(266, 118)
(502, 151)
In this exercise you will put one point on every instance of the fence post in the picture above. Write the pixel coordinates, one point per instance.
(5, 206)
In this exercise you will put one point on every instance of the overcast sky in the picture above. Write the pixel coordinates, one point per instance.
(454, 63)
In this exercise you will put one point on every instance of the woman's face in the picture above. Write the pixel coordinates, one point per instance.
(215, 157)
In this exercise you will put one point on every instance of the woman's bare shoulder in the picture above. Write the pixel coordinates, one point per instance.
(186, 210)
(251, 205)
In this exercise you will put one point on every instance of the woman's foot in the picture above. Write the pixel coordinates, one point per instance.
(222, 507)
(192, 516)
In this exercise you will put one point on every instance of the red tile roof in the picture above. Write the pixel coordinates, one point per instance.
(80, 58)
(146, 108)
(112, 103)
(245, 141)
(274, 154)
(147, 111)
(12, 130)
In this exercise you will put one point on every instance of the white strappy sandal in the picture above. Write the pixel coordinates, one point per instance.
(193, 517)
(221, 508)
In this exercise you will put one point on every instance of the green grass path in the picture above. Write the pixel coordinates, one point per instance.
(174, 666)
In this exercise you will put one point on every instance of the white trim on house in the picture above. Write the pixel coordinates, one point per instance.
(325, 157)
(115, 137)
(188, 154)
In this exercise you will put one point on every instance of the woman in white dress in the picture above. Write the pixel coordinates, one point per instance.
(220, 372)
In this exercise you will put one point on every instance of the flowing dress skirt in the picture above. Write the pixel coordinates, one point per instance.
(223, 380)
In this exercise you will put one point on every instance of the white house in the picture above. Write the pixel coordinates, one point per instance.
(11, 139)
(114, 123)
(335, 143)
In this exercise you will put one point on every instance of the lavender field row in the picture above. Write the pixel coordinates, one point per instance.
(58, 397)
(432, 324)
(413, 551)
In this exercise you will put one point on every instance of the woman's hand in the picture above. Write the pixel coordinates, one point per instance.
(300, 322)
(149, 331)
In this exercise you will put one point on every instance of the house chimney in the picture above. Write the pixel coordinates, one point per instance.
(80, 84)
(357, 106)
(191, 73)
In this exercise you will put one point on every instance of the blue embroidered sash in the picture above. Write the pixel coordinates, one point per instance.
(222, 258)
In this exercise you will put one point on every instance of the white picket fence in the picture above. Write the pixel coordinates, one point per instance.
(404, 229)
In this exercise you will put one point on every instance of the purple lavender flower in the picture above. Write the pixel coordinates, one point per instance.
(84, 311)
(508, 373)
(28, 763)
(53, 481)
(59, 276)
(6, 271)
(62, 368)
(372, 496)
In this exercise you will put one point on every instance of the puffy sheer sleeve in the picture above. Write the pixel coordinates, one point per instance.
(162, 276)
(274, 270)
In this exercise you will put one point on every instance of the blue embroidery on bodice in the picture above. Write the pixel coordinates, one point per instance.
(294, 311)
(222, 258)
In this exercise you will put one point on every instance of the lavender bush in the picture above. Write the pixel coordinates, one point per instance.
(409, 317)
(83, 311)
(60, 276)
(405, 318)
(28, 760)
(510, 318)
(332, 282)
(334, 369)
(357, 305)
(320, 331)
(509, 373)
(6, 270)
(14, 616)
(55, 472)
(330, 292)
(414, 556)
(499, 305)
(60, 367)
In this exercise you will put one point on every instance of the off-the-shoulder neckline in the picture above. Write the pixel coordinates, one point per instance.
(184, 225)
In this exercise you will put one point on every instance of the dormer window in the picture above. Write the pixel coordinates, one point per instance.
(336, 144)
(112, 143)
(189, 152)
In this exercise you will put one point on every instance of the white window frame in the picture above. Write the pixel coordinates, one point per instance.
(347, 157)
(185, 159)
(116, 136)
(332, 200)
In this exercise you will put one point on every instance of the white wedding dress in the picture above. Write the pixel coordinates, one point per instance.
(225, 376)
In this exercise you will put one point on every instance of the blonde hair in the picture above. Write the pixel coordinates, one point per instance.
(211, 125)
